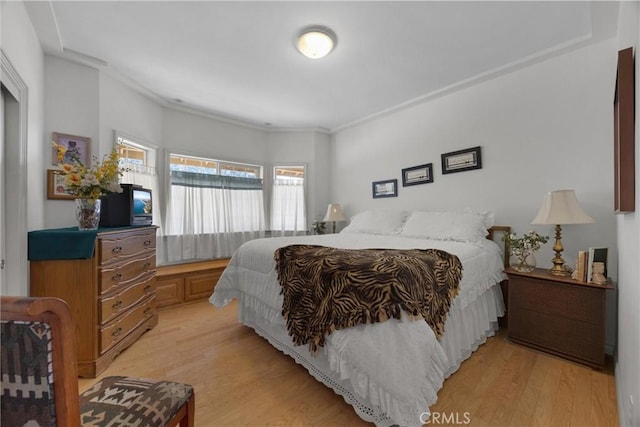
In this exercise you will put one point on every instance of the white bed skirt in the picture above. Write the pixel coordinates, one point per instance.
(465, 330)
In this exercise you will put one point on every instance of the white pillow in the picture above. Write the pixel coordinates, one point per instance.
(376, 222)
(459, 226)
(489, 217)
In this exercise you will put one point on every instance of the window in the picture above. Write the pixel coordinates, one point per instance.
(131, 153)
(214, 206)
(137, 159)
(288, 211)
(193, 164)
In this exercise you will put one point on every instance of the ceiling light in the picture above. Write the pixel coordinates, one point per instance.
(316, 41)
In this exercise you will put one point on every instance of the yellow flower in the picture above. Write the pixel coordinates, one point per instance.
(90, 181)
(60, 150)
(73, 179)
(67, 168)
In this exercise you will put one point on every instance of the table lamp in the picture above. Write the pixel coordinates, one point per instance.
(561, 207)
(334, 214)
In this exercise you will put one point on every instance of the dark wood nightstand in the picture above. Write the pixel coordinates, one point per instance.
(558, 315)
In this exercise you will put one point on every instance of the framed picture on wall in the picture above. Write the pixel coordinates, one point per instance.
(415, 175)
(78, 147)
(56, 188)
(388, 188)
(462, 160)
(623, 134)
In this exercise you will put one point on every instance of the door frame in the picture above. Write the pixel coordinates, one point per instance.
(16, 272)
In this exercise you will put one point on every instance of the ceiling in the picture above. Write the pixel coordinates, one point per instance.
(237, 59)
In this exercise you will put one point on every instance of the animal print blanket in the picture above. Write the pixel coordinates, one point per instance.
(327, 289)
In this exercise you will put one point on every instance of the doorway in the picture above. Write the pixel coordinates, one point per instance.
(13, 181)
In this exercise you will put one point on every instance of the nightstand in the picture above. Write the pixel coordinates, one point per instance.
(558, 315)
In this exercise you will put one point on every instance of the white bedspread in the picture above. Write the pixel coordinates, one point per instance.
(395, 368)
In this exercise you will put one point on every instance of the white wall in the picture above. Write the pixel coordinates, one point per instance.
(322, 177)
(72, 107)
(312, 149)
(20, 44)
(127, 111)
(541, 128)
(204, 136)
(628, 356)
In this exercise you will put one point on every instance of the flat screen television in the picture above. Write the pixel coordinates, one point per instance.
(131, 207)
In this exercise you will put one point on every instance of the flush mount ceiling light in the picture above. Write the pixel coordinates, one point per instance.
(316, 41)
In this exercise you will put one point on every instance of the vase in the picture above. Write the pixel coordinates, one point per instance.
(88, 213)
(524, 261)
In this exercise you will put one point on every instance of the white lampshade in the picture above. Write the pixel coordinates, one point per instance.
(334, 213)
(316, 42)
(561, 207)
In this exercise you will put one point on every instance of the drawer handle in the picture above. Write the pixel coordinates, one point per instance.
(117, 249)
(147, 265)
(116, 277)
(116, 305)
(116, 332)
(148, 311)
(147, 242)
(148, 289)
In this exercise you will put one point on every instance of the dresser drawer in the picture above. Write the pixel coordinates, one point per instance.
(123, 300)
(120, 275)
(568, 301)
(123, 325)
(114, 248)
(568, 336)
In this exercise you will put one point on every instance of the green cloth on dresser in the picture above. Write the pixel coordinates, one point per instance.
(64, 243)
(61, 243)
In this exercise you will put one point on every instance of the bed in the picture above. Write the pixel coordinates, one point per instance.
(390, 372)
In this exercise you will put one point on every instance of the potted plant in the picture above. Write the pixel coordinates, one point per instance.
(88, 183)
(523, 249)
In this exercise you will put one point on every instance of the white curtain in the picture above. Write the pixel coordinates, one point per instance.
(210, 216)
(288, 213)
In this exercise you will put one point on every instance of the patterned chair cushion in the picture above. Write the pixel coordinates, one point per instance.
(126, 401)
(27, 377)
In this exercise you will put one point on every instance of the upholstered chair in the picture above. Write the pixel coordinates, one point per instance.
(40, 382)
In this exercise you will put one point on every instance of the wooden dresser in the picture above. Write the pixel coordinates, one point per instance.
(111, 295)
(558, 315)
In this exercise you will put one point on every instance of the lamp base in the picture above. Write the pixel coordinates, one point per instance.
(558, 268)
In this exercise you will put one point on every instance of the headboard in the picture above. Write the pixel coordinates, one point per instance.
(501, 230)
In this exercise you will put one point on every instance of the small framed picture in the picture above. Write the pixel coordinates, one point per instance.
(463, 160)
(56, 188)
(415, 175)
(78, 147)
(388, 188)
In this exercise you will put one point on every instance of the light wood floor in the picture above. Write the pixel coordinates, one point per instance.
(240, 380)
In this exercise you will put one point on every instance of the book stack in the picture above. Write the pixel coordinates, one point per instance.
(580, 272)
(585, 272)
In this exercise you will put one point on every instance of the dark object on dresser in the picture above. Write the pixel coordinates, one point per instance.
(133, 206)
(558, 315)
